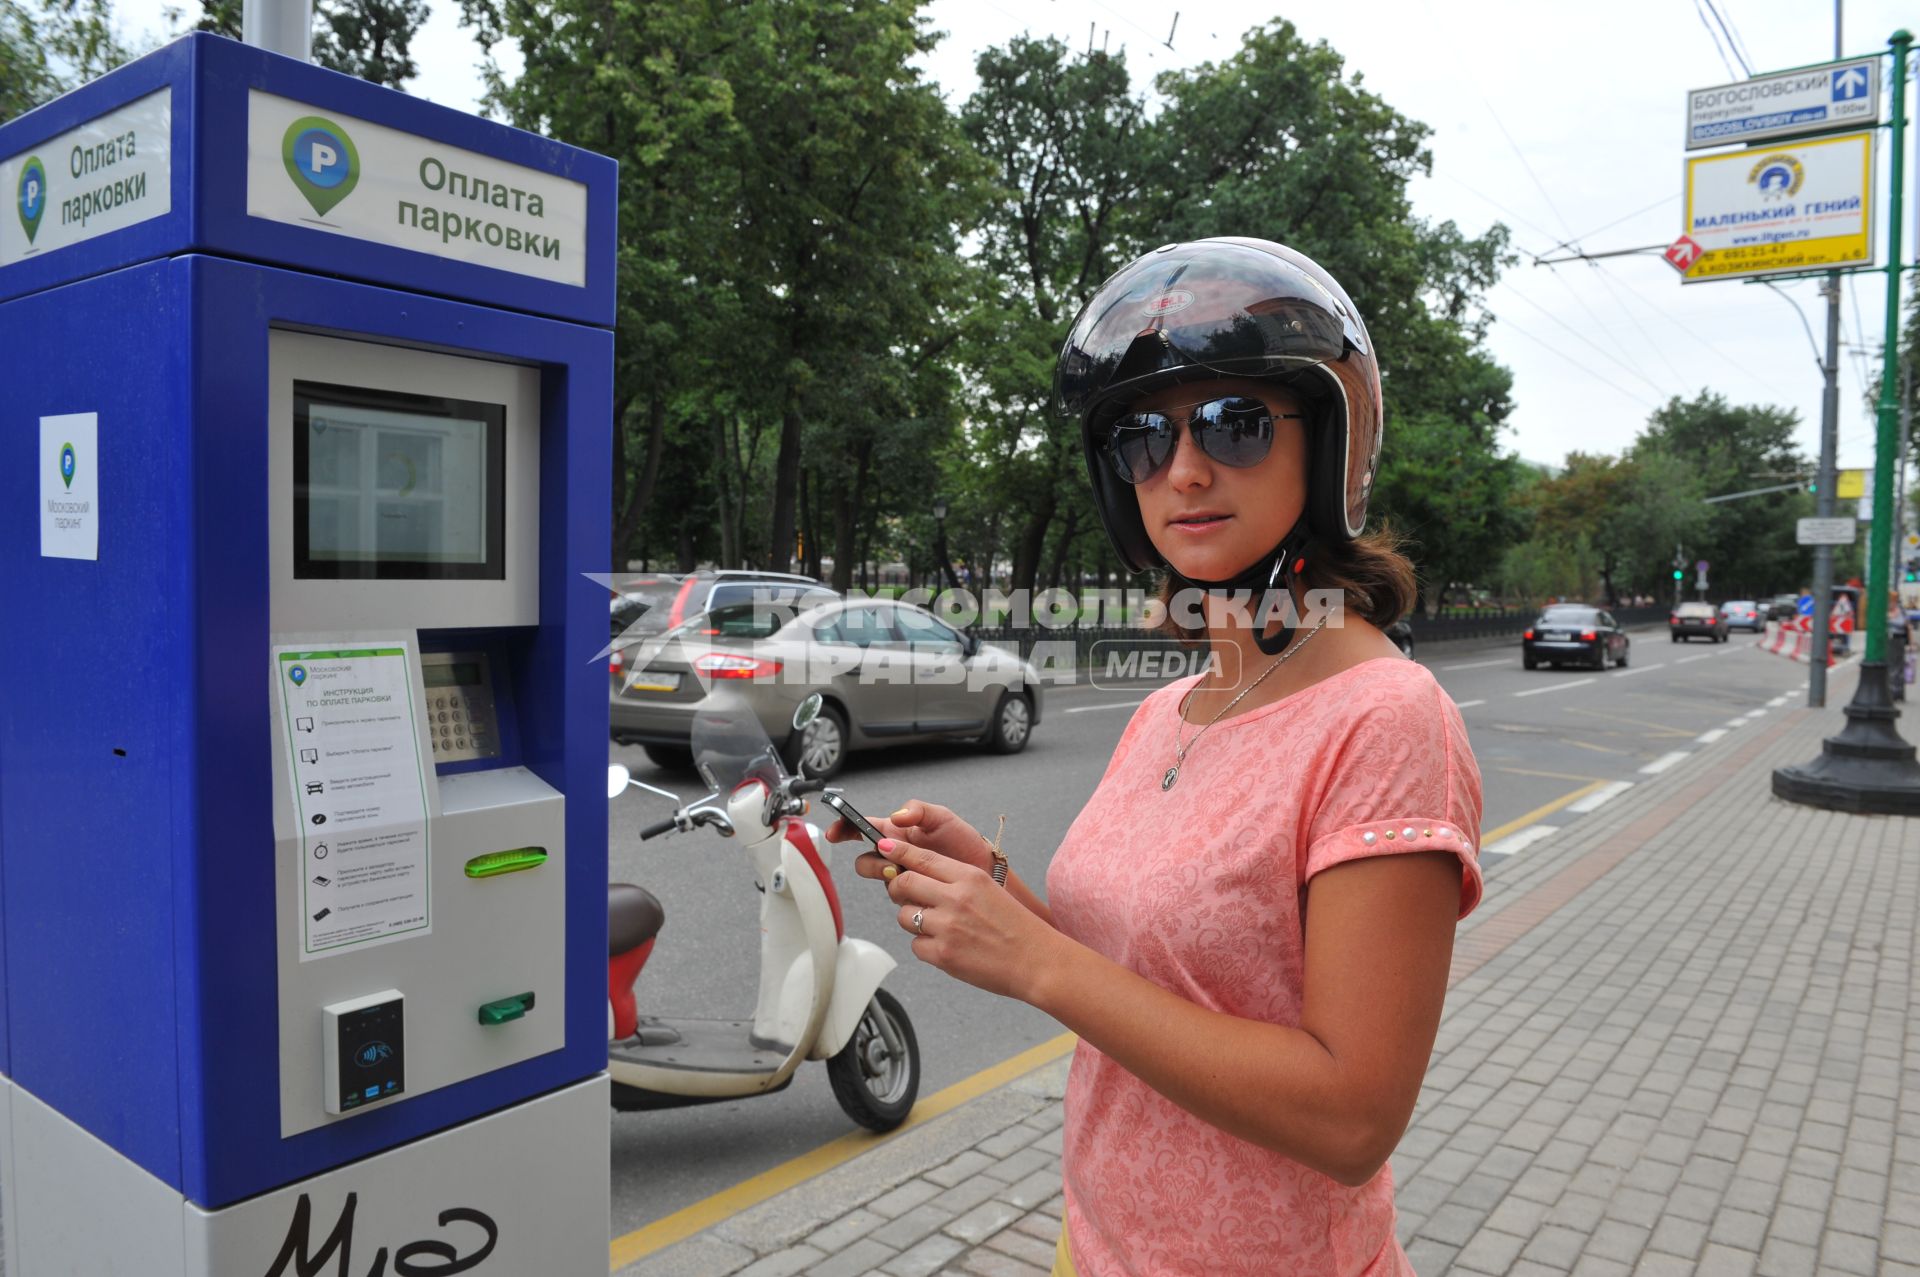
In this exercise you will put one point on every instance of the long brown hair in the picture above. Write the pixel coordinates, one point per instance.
(1374, 578)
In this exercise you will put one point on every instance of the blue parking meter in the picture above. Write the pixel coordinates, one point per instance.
(302, 753)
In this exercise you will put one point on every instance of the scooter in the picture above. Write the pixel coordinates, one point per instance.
(820, 996)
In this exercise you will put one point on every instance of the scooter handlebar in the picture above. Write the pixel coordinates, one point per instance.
(806, 786)
(659, 827)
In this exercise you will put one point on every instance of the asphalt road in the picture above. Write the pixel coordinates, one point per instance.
(1550, 743)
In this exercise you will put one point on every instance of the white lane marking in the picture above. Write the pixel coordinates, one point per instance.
(1639, 669)
(1479, 665)
(1736, 722)
(1084, 709)
(1663, 762)
(1600, 795)
(1520, 840)
(1707, 738)
(1703, 656)
(1467, 704)
(1554, 687)
(1778, 701)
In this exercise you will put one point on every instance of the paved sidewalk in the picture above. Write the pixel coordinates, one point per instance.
(1680, 1038)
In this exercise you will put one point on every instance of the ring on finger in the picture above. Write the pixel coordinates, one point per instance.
(918, 916)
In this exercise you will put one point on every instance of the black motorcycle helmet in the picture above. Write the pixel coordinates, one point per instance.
(1229, 307)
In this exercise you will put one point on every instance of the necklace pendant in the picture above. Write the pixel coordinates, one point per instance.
(1173, 774)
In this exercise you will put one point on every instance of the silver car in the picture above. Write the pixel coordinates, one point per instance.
(890, 673)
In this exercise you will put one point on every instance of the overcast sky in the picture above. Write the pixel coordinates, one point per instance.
(1563, 121)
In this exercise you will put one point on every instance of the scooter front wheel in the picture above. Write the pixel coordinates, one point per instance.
(876, 1075)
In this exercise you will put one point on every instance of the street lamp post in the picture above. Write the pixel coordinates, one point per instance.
(1868, 767)
(940, 540)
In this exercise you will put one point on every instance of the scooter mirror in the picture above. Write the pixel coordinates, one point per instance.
(806, 711)
(618, 778)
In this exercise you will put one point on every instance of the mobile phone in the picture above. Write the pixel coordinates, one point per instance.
(847, 813)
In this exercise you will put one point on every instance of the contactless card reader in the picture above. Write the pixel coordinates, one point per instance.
(365, 1042)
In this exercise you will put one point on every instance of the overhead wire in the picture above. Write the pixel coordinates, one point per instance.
(1625, 366)
(1659, 350)
(1632, 289)
(1733, 33)
(1715, 37)
(1583, 365)
(1732, 44)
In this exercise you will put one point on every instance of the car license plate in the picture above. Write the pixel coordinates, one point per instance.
(1553, 636)
(654, 681)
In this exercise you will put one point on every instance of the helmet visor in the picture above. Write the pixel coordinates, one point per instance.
(1213, 306)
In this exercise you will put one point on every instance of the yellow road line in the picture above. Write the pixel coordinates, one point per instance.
(1493, 836)
(689, 1220)
(1522, 771)
(1659, 729)
(1581, 744)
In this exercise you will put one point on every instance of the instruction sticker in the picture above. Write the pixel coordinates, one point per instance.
(359, 795)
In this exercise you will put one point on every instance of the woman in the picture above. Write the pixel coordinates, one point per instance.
(1249, 925)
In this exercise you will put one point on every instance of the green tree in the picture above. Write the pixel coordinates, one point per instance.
(52, 47)
(26, 77)
(648, 83)
(1750, 543)
(791, 193)
(853, 183)
(1062, 133)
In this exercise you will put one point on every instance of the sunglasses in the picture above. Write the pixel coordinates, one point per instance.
(1235, 430)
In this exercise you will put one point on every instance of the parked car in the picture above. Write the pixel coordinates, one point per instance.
(1697, 620)
(1743, 614)
(1401, 632)
(1782, 607)
(1574, 632)
(649, 604)
(890, 673)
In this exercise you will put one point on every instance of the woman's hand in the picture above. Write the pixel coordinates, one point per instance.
(928, 825)
(969, 927)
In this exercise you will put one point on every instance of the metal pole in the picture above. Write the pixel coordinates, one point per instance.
(279, 26)
(1823, 501)
(1873, 608)
(1823, 496)
(1900, 504)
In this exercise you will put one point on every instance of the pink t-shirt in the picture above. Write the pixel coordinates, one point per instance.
(1199, 888)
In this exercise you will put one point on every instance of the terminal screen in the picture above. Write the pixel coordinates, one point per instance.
(391, 486)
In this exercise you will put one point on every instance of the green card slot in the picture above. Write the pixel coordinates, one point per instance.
(506, 1009)
(495, 863)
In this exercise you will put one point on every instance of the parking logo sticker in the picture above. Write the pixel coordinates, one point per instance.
(32, 195)
(321, 160)
(67, 464)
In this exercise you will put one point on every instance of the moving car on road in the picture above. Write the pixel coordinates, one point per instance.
(1697, 620)
(1743, 614)
(889, 673)
(1574, 633)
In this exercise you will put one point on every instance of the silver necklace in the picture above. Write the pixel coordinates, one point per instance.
(1180, 749)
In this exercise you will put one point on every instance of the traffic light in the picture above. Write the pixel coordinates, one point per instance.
(1813, 485)
(1676, 574)
(1912, 576)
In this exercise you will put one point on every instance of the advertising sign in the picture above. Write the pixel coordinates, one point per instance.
(1796, 207)
(1785, 104)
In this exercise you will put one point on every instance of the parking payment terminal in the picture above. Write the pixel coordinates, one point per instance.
(303, 457)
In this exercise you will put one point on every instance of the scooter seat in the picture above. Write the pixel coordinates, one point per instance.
(633, 917)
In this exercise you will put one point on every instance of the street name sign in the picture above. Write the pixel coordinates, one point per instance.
(1815, 99)
(1828, 531)
(1794, 207)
